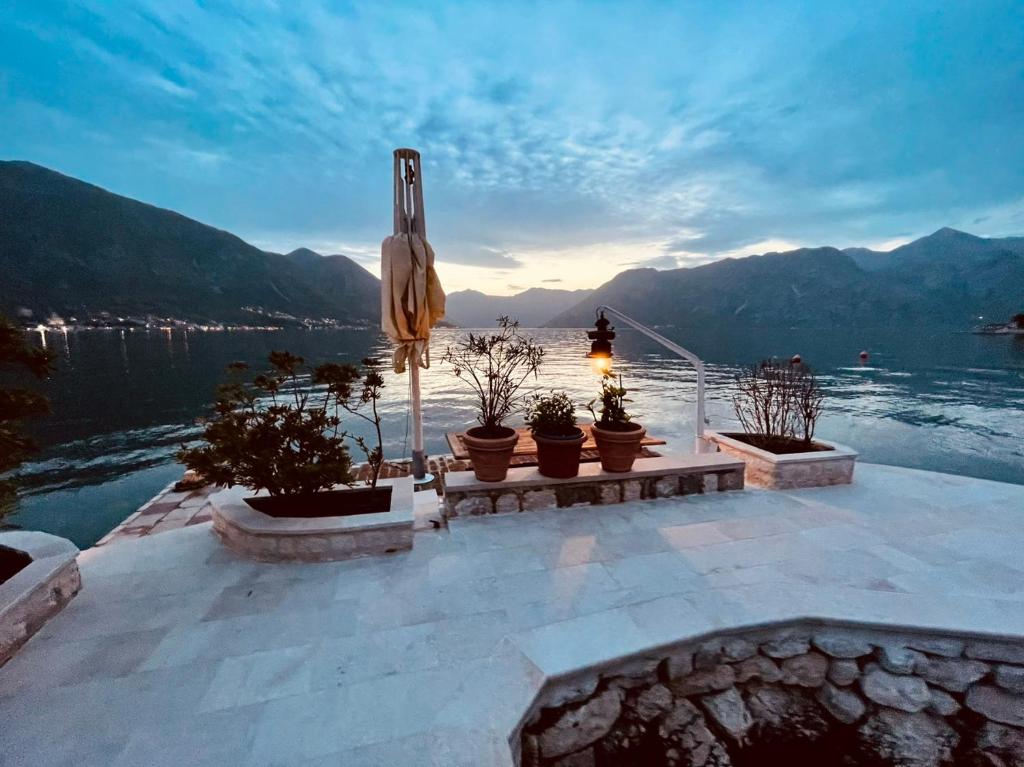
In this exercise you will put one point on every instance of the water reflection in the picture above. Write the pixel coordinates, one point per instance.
(123, 401)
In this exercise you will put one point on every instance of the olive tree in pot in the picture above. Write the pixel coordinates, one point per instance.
(282, 433)
(617, 435)
(552, 419)
(495, 366)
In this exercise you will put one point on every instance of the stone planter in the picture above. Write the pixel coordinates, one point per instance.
(618, 449)
(37, 591)
(819, 468)
(490, 456)
(259, 536)
(559, 457)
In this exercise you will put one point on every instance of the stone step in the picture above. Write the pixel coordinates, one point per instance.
(526, 489)
(427, 513)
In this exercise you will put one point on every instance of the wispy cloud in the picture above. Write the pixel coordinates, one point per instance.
(560, 141)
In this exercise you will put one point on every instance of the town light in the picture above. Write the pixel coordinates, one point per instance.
(600, 354)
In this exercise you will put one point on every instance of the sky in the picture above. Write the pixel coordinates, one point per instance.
(562, 142)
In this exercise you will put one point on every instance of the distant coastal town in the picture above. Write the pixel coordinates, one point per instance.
(103, 320)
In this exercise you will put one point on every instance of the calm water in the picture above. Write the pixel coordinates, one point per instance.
(124, 402)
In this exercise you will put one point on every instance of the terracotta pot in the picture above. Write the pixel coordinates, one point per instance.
(559, 457)
(618, 449)
(490, 456)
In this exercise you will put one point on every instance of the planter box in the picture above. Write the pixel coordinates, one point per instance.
(37, 592)
(256, 535)
(819, 468)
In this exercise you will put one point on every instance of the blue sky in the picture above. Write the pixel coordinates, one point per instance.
(562, 142)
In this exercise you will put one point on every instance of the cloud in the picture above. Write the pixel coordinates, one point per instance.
(475, 255)
(557, 279)
(657, 262)
(544, 128)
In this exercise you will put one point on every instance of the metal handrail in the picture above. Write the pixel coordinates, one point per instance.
(686, 354)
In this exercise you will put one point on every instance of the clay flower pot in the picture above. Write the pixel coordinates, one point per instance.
(618, 449)
(559, 456)
(490, 456)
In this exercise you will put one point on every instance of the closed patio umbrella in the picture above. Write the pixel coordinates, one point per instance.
(412, 300)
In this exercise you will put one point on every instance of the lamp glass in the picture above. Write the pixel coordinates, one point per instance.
(600, 365)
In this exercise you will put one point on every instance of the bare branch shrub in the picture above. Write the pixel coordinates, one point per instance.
(778, 401)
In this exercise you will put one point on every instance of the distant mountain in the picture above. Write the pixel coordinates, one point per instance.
(533, 308)
(73, 248)
(948, 278)
(77, 250)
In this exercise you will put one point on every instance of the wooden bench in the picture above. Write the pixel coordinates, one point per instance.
(525, 451)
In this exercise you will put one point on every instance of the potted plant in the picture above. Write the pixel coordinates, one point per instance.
(618, 437)
(778, 405)
(495, 366)
(552, 419)
(281, 437)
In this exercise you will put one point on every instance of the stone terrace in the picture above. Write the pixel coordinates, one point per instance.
(178, 652)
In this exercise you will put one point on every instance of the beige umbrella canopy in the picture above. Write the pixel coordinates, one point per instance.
(411, 298)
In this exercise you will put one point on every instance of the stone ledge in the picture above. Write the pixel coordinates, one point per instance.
(628, 710)
(526, 489)
(39, 591)
(254, 534)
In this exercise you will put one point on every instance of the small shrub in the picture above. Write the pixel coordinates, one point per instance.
(552, 414)
(17, 404)
(778, 402)
(495, 366)
(279, 434)
(612, 406)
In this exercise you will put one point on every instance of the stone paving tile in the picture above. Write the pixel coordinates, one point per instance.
(211, 739)
(694, 536)
(648, 569)
(179, 652)
(259, 677)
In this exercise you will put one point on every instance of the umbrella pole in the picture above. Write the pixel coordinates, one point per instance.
(419, 468)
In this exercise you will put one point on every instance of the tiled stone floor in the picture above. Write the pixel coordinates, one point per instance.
(177, 652)
(171, 509)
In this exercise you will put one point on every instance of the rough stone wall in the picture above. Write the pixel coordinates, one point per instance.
(603, 491)
(43, 602)
(841, 696)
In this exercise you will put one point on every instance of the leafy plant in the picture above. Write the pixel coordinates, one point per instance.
(340, 376)
(613, 405)
(17, 404)
(778, 401)
(495, 366)
(283, 435)
(552, 414)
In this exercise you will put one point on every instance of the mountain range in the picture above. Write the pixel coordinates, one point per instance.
(71, 248)
(947, 278)
(533, 308)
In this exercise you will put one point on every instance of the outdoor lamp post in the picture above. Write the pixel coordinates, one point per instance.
(600, 356)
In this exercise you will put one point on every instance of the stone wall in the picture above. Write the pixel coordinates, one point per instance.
(795, 695)
(499, 499)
